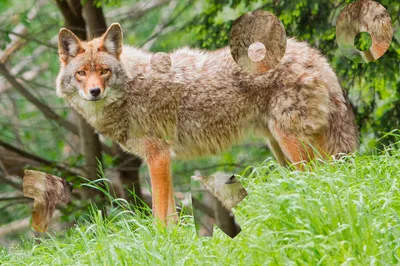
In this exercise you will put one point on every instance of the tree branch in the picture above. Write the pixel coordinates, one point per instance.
(16, 42)
(161, 25)
(30, 38)
(15, 198)
(165, 27)
(7, 178)
(46, 110)
(38, 159)
(18, 67)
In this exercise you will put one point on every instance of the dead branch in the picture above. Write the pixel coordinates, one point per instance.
(14, 118)
(224, 187)
(197, 204)
(24, 154)
(15, 46)
(7, 178)
(15, 193)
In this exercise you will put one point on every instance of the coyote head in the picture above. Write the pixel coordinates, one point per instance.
(93, 69)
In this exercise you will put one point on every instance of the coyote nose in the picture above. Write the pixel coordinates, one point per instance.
(95, 91)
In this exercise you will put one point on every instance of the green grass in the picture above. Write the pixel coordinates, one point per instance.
(344, 212)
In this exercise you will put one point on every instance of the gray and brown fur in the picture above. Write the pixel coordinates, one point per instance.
(364, 16)
(226, 188)
(205, 103)
(48, 191)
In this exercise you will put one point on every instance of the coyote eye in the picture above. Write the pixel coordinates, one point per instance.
(81, 73)
(104, 71)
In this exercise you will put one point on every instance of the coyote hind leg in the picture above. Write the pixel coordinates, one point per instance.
(298, 150)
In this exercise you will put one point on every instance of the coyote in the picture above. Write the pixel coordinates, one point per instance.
(203, 104)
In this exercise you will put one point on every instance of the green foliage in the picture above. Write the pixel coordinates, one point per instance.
(341, 212)
(363, 41)
(102, 3)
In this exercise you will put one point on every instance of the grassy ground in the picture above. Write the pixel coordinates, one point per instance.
(342, 212)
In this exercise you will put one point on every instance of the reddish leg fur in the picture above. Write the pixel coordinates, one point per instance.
(163, 204)
(296, 150)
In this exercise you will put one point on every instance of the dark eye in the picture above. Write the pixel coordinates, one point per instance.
(81, 73)
(104, 71)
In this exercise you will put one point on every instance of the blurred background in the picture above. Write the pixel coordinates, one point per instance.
(40, 131)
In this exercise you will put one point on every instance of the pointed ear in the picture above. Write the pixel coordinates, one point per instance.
(112, 40)
(68, 45)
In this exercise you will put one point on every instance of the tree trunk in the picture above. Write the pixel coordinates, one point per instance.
(129, 174)
(94, 18)
(90, 148)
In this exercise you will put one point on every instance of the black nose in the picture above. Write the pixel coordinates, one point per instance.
(95, 91)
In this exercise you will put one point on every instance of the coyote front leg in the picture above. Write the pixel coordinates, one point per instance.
(163, 204)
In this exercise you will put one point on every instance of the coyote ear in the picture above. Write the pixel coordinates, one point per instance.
(68, 45)
(112, 40)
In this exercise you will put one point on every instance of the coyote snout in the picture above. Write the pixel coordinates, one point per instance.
(92, 81)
